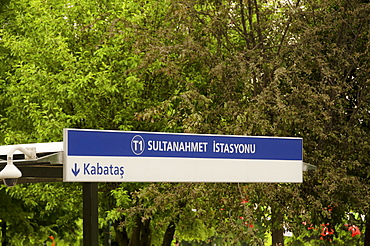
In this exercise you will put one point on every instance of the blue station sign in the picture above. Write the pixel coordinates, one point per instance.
(103, 156)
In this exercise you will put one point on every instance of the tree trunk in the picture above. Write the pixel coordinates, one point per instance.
(367, 231)
(135, 235)
(121, 236)
(277, 227)
(3, 234)
(168, 235)
(277, 237)
(145, 233)
(141, 233)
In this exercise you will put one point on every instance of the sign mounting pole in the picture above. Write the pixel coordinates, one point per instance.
(90, 214)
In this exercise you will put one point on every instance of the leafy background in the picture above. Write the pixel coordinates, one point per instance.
(296, 68)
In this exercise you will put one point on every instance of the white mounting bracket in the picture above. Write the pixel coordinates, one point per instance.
(32, 152)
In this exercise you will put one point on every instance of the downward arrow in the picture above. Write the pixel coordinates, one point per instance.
(76, 170)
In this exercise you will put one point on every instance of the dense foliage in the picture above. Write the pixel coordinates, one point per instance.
(296, 68)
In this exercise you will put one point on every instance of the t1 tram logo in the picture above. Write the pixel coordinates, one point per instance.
(137, 145)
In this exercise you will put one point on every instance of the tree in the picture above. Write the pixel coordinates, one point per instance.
(277, 68)
(31, 213)
(304, 78)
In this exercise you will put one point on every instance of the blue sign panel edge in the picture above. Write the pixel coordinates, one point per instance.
(85, 142)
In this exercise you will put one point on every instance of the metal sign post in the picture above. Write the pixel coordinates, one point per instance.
(90, 214)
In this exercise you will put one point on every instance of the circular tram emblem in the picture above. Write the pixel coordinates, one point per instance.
(137, 145)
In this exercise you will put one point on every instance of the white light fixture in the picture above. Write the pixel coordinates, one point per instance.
(10, 174)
